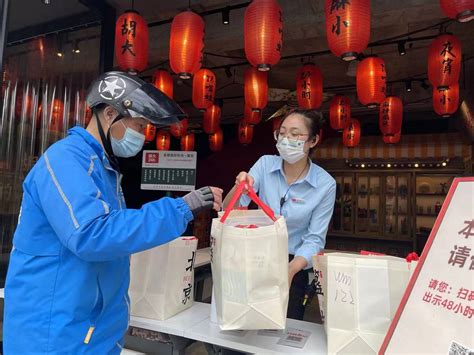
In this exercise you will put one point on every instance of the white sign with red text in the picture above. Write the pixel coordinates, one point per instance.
(436, 314)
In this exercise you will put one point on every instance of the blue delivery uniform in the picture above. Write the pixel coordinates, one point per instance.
(66, 288)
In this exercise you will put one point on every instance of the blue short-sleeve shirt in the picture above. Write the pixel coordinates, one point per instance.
(308, 207)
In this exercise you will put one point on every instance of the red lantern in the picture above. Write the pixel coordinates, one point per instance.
(347, 27)
(186, 44)
(179, 129)
(256, 89)
(150, 132)
(187, 142)
(444, 61)
(245, 133)
(131, 42)
(252, 117)
(163, 140)
(446, 102)
(204, 89)
(392, 139)
(371, 78)
(339, 112)
(461, 10)
(263, 28)
(163, 81)
(391, 116)
(276, 123)
(309, 87)
(216, 141)
(212, 119)
(351, 134)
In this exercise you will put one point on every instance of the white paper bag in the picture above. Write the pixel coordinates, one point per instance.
(162, 279)
(360, 295)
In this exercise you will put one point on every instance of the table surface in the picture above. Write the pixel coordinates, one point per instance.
(175, 325)
(252, 342)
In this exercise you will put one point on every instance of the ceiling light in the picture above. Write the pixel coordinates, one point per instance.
(416, 165)
(401, 48)
(408, 85)
(389, 165)
(75, 48)
(444, 163)
(362, 165)
(47, 2)
(226, 15)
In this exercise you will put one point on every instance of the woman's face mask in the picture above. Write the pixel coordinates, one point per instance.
(130, 145)
(291, 150)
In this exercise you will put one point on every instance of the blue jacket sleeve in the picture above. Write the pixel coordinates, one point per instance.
(84, 221)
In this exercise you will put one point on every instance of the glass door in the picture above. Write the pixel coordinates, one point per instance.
(397, 206)
(343, 217)
(368, 204)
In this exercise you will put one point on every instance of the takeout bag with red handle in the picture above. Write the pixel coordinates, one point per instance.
(250, 267)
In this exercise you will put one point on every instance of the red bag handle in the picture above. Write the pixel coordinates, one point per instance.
(253, 196)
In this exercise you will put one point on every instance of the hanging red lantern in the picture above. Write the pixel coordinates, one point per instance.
(444, 61)
(351, 134)
(446, 102)
(150, 132)
(309, 87)
(163, 81)
(163, 140)
(339, 112)
(179, 129)
(263, 29)
(394, 139)
(186, 44)
(245, 133)
(391, 116)
(187, 142)
(276, 123)
(252, 117)
(347, 27)
(461, 10)
(256, 89)
(216, 141)
(204, 89)
(212, 119)
(131, 42)
(371, 81)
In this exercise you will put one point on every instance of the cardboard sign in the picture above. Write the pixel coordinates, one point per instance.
(168, 170)
(436, 314)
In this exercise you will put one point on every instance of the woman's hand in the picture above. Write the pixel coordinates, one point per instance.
(244, 177)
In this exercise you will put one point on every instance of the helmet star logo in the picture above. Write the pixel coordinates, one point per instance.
(112, 88)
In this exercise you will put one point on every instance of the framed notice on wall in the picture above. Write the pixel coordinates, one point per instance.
(168, 170)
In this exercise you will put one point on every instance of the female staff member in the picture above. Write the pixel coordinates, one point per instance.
(298, 189)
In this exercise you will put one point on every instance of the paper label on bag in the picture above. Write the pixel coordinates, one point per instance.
(276, 333)
(295, 338)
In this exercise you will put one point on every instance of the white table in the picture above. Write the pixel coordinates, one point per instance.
(252, 342)
(175, 325)
(195, 324)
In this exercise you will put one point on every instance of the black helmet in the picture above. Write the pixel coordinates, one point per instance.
(131, 96)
